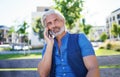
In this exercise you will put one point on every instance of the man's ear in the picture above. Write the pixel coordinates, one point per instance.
(63, 21)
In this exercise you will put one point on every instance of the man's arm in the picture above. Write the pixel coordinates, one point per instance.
(92, 66)
(44, 66)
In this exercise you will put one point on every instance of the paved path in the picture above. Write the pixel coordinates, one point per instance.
(104, 60)
(109, 60)
(19, 63)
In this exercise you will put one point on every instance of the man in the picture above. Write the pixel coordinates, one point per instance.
(65, 54)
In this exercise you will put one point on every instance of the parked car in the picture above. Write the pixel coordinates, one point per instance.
(19, 47)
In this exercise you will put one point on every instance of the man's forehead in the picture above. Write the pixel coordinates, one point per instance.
(51, 16)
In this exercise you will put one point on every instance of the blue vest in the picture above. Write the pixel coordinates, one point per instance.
(74, 57)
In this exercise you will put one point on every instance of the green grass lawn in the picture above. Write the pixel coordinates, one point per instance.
(35, 69)
(99, 52)
(20, 56)
(18, 69)
(105, 52)
(110, 66)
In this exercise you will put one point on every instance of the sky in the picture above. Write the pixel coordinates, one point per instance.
(96, 11)
(16, 11)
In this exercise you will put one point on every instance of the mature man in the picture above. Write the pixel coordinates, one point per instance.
(65, 54)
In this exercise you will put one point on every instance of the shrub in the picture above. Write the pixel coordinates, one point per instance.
(103, 36)
(112, 44)
(118, 49)
(108, 46)
(101, 47)
(5, 49)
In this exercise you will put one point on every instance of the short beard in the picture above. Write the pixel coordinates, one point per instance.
(62, 29)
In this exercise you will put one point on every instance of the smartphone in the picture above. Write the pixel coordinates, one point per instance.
(50, 33)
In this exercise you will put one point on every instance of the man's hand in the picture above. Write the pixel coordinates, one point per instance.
(48, 38)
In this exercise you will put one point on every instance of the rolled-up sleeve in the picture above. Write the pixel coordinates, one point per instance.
(43, 50)
(85, 45)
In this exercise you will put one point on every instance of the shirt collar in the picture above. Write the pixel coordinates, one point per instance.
(64, 37)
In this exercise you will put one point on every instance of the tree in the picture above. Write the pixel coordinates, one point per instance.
(119, 30)
(38, 28)
(11, 30)
(86, 29)
(21, 30)
(71, 10)
(114, 29)
(103, 36)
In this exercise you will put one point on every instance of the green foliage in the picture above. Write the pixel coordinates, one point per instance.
(118, 49)
(11, 30)
(20, 56)
(86, 29)
(71, 10)
(105, 52)
(115, 30)
(109, 66)
(101, 47)
(103, 36)
(38, 28)
(119, 29)
(21, 29)
(108, 46)
(5, 49)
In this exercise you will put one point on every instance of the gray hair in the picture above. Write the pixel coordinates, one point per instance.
(49, 12)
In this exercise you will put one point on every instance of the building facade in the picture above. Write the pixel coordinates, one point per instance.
(95, 32)
(35, 15)
(4, 37)
(114, 17)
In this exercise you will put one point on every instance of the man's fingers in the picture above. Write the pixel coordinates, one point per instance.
(45, 32)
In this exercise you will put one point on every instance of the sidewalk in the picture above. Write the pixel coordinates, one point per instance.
(21, 52)
(109, 60)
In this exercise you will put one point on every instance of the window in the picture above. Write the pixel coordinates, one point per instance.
(119, 22)
(118, 16)
(110, 19)
(46, 9)
(107, 21)
(113, 18)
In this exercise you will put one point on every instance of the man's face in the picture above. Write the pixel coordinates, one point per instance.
(55, 24)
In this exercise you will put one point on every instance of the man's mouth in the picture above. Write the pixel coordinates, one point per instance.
(55, 30)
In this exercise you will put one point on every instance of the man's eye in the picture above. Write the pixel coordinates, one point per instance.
(56, 20)
(48, 24)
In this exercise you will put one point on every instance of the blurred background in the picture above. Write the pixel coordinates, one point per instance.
(21, 32)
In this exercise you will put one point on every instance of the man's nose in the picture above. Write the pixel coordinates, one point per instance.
(53, 25)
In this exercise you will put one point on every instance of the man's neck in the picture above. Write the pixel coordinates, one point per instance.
(59, 37)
